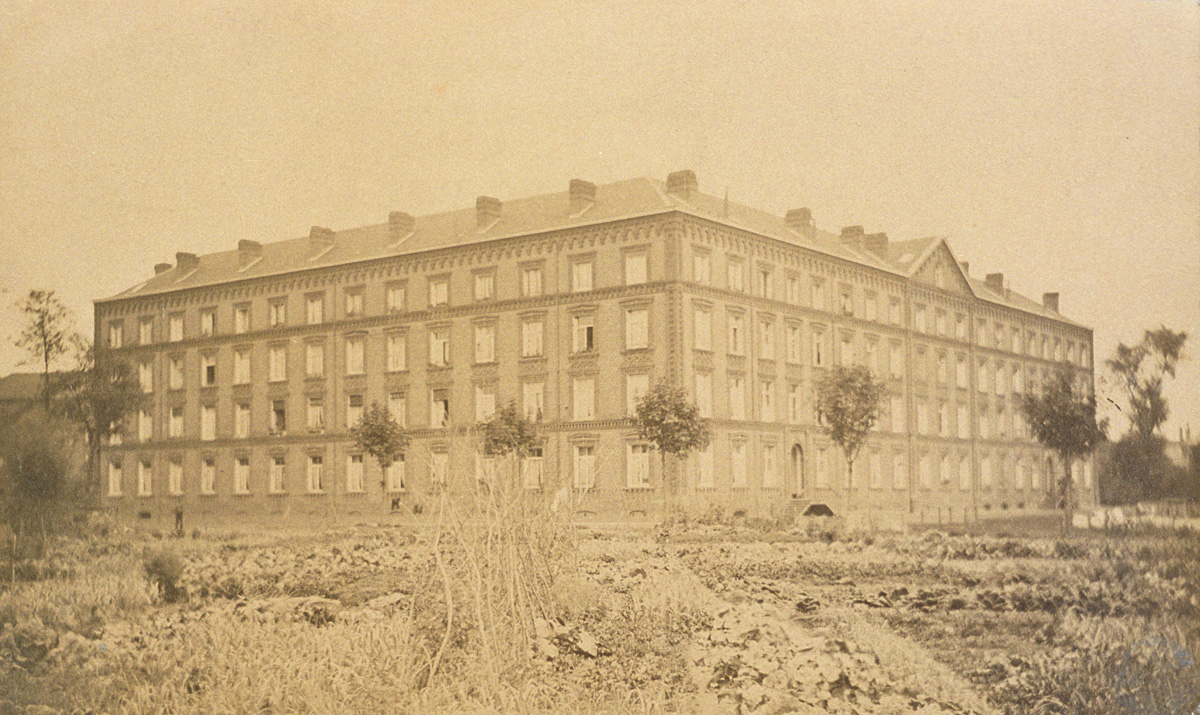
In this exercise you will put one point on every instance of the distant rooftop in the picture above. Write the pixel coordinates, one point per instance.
(583, 204)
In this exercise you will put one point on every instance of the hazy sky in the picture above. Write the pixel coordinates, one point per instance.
(1057, 142)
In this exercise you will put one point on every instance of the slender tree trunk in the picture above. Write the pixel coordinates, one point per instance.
(1066, 496)
(849, 483)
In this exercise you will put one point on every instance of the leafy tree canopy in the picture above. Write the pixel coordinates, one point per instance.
(379, 435)
(509, 432)
(1139, 371)
(97, 395)
(848, 404)
(665, 418)
(1063, 416)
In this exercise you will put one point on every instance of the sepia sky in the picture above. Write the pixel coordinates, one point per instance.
(1057, 142)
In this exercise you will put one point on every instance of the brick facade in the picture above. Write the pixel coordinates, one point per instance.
(255, 362)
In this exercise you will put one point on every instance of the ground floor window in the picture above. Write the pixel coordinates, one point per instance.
(637, 467)
(316, 473)
(114, 479)
(395, 475)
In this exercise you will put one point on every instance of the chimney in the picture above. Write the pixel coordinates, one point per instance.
(852, 236)
(487, 211)
(876, 243)
(161, 268)
(187, 261)
(801, 221)
(682, 184)
(966, 267)
(248, 252)
(995, 281)
(319, 239)
(400, 226)
(583, 195)
(1050, 301)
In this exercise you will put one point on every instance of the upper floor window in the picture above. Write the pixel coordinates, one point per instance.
(583, 398)
(314, 359)
(818, 293)
(736, 274)
(762, 281)
(583, 333)
(894, 311)
(637, 328)
(175, 373)
(241, 366)
(941, 321)
(397, 295)
(315, 307)
(146, 376)
(531, 337)
(277, 363)
(116, 333)
(819, 348)
(793, 289)
(485, 343)
(531, 280)
(208, 322)
(701, 266)
(208, 370)
(846, 301)
(397, 351)
(175, 328)
(793, 343)
(485, 285)
(439, 291)
(919, 322)
(241, 318)
(439, 345)
(737, 334)
(581, 275)
(485, 402)
(636, 387)
(635, 267)
(703, 329)
(355, 355)
(146, 331)
(766, 345)
(277, 312)
(354, 303)
(871, 303)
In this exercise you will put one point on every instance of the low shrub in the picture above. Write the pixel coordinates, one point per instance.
(165, 569)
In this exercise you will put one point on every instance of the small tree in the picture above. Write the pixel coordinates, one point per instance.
(379, 435)
(1139, 371)
(1063, 419)
(848, 400)
(36, 467)
(46, 335)
(665, 418)
(508, 433)
(97, 395)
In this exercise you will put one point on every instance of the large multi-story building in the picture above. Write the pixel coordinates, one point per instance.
(256, 361)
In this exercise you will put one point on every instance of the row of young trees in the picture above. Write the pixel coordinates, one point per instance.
(97, 392)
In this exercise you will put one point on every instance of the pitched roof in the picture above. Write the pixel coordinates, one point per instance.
(537, 214)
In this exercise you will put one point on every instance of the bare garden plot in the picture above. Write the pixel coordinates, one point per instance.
(736, 622)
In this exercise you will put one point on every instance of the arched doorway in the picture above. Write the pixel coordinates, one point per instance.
(798, 470)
